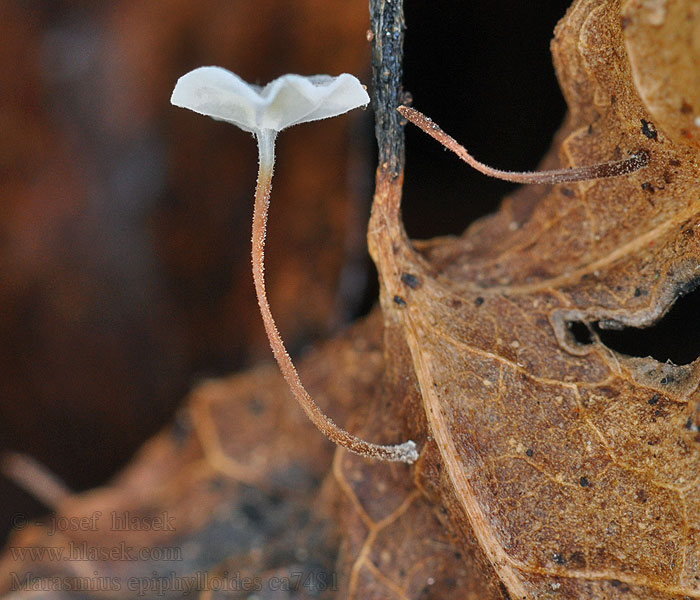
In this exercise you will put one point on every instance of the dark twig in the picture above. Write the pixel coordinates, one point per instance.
(387, 25)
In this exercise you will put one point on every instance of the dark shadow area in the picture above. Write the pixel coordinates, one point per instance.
(483, 71)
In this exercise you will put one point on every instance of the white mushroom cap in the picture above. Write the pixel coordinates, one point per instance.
(286, 101)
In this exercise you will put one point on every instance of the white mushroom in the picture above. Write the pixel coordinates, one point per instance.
(264, 111)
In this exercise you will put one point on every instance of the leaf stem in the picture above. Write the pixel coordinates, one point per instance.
(633, 163)
(405, 452)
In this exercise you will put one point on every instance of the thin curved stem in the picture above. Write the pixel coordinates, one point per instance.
(629, 165)
(35, 478)
(405, 452)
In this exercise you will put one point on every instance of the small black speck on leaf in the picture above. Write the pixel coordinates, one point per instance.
(398, 300)
(529, 452)
(649, 130)
(577, 559)
(647, 187)
(664, 380)
(255, 406)
(410, 280)
(558, 558)
(479, 301)
(637, 292)
(252, 513)
(584, 482)
(654, 399)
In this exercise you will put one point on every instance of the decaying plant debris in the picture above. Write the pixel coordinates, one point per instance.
(551, 467)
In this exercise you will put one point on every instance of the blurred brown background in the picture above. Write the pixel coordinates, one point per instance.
(124, 222)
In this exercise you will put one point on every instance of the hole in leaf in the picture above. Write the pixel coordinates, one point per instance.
(676, 337)
(581, 333)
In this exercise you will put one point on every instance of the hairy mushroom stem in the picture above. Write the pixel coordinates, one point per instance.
(633, 163)
(34, 478)
(405, 452)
